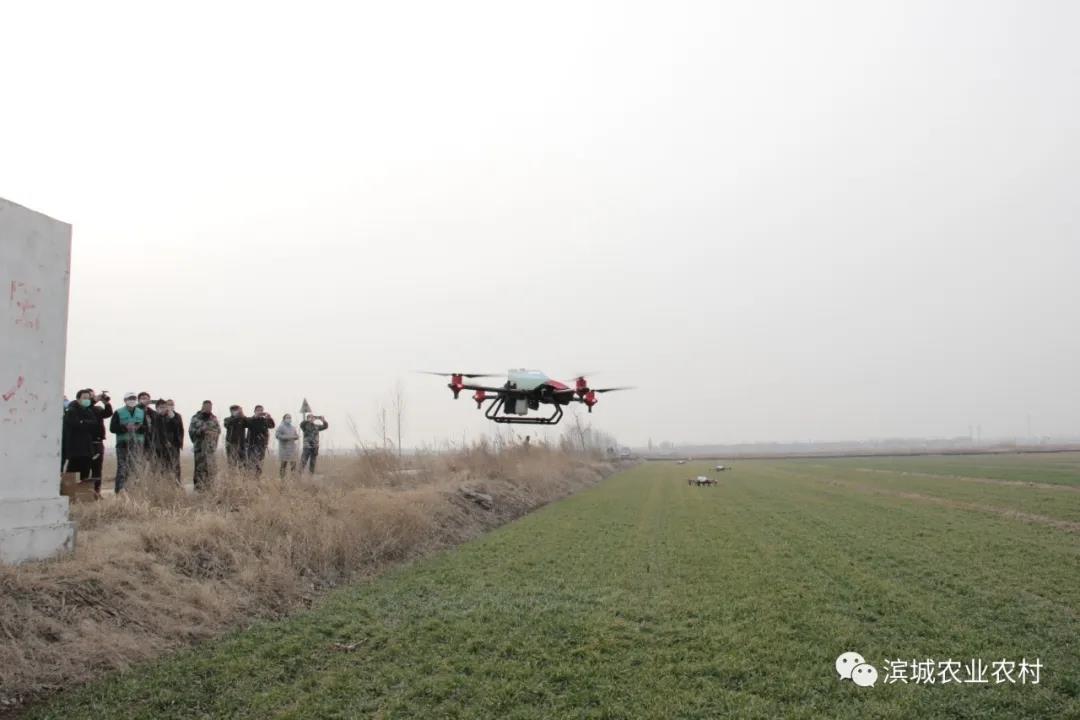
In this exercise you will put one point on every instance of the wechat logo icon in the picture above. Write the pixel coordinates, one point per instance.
(853, 666)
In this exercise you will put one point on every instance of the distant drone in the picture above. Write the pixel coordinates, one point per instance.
(523, 391)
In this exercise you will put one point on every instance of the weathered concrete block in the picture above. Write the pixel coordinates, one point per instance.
(35, 264)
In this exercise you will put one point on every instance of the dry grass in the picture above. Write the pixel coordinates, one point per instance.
(162, 568)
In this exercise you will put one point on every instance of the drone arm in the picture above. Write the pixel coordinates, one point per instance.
(486, 389)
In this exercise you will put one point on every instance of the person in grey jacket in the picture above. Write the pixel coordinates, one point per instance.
(287, 437)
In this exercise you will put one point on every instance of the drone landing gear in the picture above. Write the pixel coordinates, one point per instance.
(492, 413)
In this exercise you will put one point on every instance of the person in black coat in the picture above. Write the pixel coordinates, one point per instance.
(258, 437)
(102, 407)
(167, 438)
(235, 437)
(80, 422)
(148, 407)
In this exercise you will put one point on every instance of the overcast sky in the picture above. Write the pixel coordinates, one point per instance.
(781, 221)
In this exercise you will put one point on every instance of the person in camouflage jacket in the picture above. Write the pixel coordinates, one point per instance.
(310, 429)
(204, 431)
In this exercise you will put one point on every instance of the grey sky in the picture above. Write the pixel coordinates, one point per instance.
(781, 220)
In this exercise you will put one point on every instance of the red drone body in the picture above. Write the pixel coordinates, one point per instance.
(523, 391)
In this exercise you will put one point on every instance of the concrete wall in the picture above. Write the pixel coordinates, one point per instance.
(35, 264)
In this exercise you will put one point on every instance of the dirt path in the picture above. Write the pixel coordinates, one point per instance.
(968, 478)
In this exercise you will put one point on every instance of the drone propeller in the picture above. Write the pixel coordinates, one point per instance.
(613, 389)
(450, 374)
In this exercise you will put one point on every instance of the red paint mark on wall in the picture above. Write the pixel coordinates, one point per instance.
(11, 393)
(23, 299)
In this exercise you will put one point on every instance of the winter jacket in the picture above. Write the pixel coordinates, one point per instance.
(204, 431)
(102, 412)
(81, 426)
(168, 434)
(287, 438)
(151, 418)
(259, 431)
(234, 431)
(124, 417)
(311, 430)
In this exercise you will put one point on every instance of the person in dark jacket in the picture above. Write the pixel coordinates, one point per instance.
(258, 437)
(102, 407)
(236, 437)
(148, 407)
(129, 426)
(167, 438)
(172, 410)
(147, 459)
(80, 422)
(310, 429)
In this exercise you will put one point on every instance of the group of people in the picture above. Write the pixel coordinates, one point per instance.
(151, 433)
(247, 438)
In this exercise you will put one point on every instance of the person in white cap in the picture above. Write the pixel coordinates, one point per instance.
(129, 426)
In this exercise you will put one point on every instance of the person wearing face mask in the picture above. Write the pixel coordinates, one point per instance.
(79, 423)
(287, 437)
(258, 438)
(236, 437)
(129, 426)
(204, 431)
(168, 439)
(102, 406)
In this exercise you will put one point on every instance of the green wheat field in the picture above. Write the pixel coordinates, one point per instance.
(647, 598)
